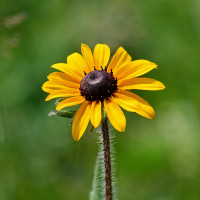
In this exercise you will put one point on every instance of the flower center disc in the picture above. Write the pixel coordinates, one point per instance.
(98, 85)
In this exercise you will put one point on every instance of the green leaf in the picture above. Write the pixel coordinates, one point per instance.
(98, 191)
(59, 100)
(62, 113)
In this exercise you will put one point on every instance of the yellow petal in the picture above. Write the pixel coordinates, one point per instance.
(140, 84)
(120, 58)
(70, 92)
(115, 114)
(133, 103)
(69, 69)
(70, 102)
(77, 60)
(81, 121)
(49, 88)
(87, 55)
(53, 86)
(62, 76)
(101, 55)
(95, 114)
(134, 69)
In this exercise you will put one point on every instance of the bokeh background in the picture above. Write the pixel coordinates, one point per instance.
(156, 159)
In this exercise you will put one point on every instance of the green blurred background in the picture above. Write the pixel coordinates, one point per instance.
(156, 159)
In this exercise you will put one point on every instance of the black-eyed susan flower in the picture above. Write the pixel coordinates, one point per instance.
(89, 80)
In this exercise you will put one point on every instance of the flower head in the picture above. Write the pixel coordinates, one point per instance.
(89, 80)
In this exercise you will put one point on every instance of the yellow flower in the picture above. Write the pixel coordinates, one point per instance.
(90, 80)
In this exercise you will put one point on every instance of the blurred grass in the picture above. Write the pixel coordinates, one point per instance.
(156, 159)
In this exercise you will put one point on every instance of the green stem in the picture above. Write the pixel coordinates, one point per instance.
(103, 185)
(107, 159)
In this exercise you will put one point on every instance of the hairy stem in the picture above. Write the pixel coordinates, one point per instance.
(107, 159)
